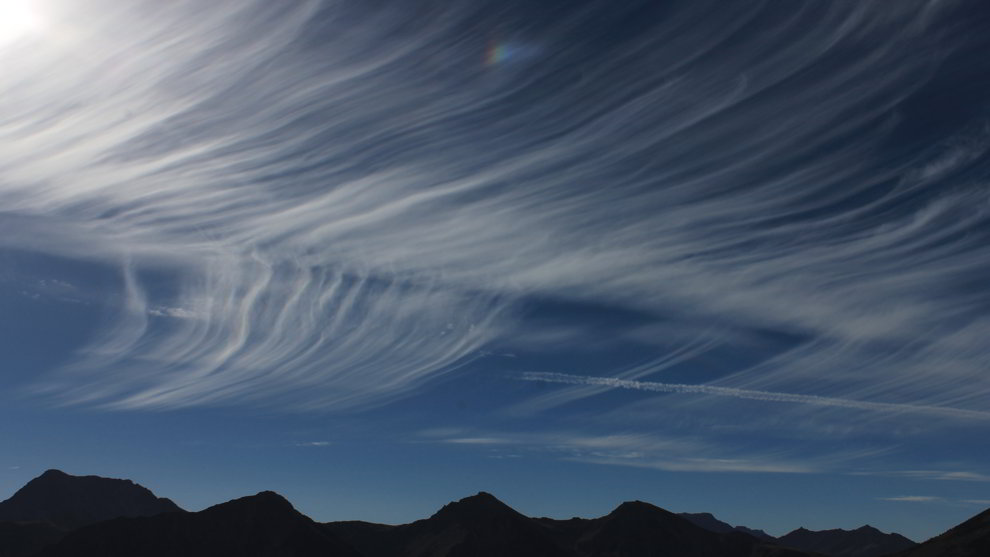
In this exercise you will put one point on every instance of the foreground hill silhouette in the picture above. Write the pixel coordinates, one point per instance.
(865, 541)
(969, 539)
(23, 539)
(257, 526)
(54, 503)
(57, 515)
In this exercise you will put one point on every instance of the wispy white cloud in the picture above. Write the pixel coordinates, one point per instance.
(178, 313)
(954, 154)
(707, 465)
(57, 285)
(941, 475)
(934, 499)
(314, 444)
(52, 289)
(964, 476)
(351, 216)
(640, 450)
(476, 441)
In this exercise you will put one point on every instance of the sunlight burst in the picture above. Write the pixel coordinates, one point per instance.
(17, 18)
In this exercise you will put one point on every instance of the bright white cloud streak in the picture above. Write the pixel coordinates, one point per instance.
(346, 201)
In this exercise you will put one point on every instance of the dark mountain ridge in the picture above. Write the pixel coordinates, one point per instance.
(709, 522)
(638, 529)
(46, 508)
(69, 502)
(483, 526)
(22, 539)
(476, 526)
(865, 541)
(969, 539)
(255, 526)
(266, 524)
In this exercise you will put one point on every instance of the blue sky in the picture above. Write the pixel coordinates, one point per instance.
(722, 257)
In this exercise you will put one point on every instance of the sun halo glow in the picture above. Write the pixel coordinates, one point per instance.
(17, 18)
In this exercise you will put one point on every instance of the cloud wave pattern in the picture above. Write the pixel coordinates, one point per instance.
(347, 201)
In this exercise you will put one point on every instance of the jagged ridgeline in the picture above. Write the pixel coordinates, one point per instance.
(60, 515)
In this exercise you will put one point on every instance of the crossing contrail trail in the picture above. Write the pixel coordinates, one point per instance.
(766, 396)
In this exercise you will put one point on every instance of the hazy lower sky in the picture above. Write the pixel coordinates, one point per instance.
(723, 256)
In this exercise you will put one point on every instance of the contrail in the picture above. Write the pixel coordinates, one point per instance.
(768, 396)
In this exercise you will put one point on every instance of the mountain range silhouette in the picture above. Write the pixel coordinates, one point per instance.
(60, 515)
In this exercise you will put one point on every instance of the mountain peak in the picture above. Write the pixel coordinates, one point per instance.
(479, 505)
(69, 501)
(480, 499)
(628, 507)
(267, 500)
(56, 476)
(479, 525)
(481, 496)
(272, 499)
(270, 496)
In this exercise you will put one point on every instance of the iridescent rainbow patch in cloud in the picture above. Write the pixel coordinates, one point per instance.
(495, 53)
(501, 52)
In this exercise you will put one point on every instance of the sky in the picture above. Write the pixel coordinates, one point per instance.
(724, 257)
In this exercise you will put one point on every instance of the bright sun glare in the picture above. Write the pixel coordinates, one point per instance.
(17, 18)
